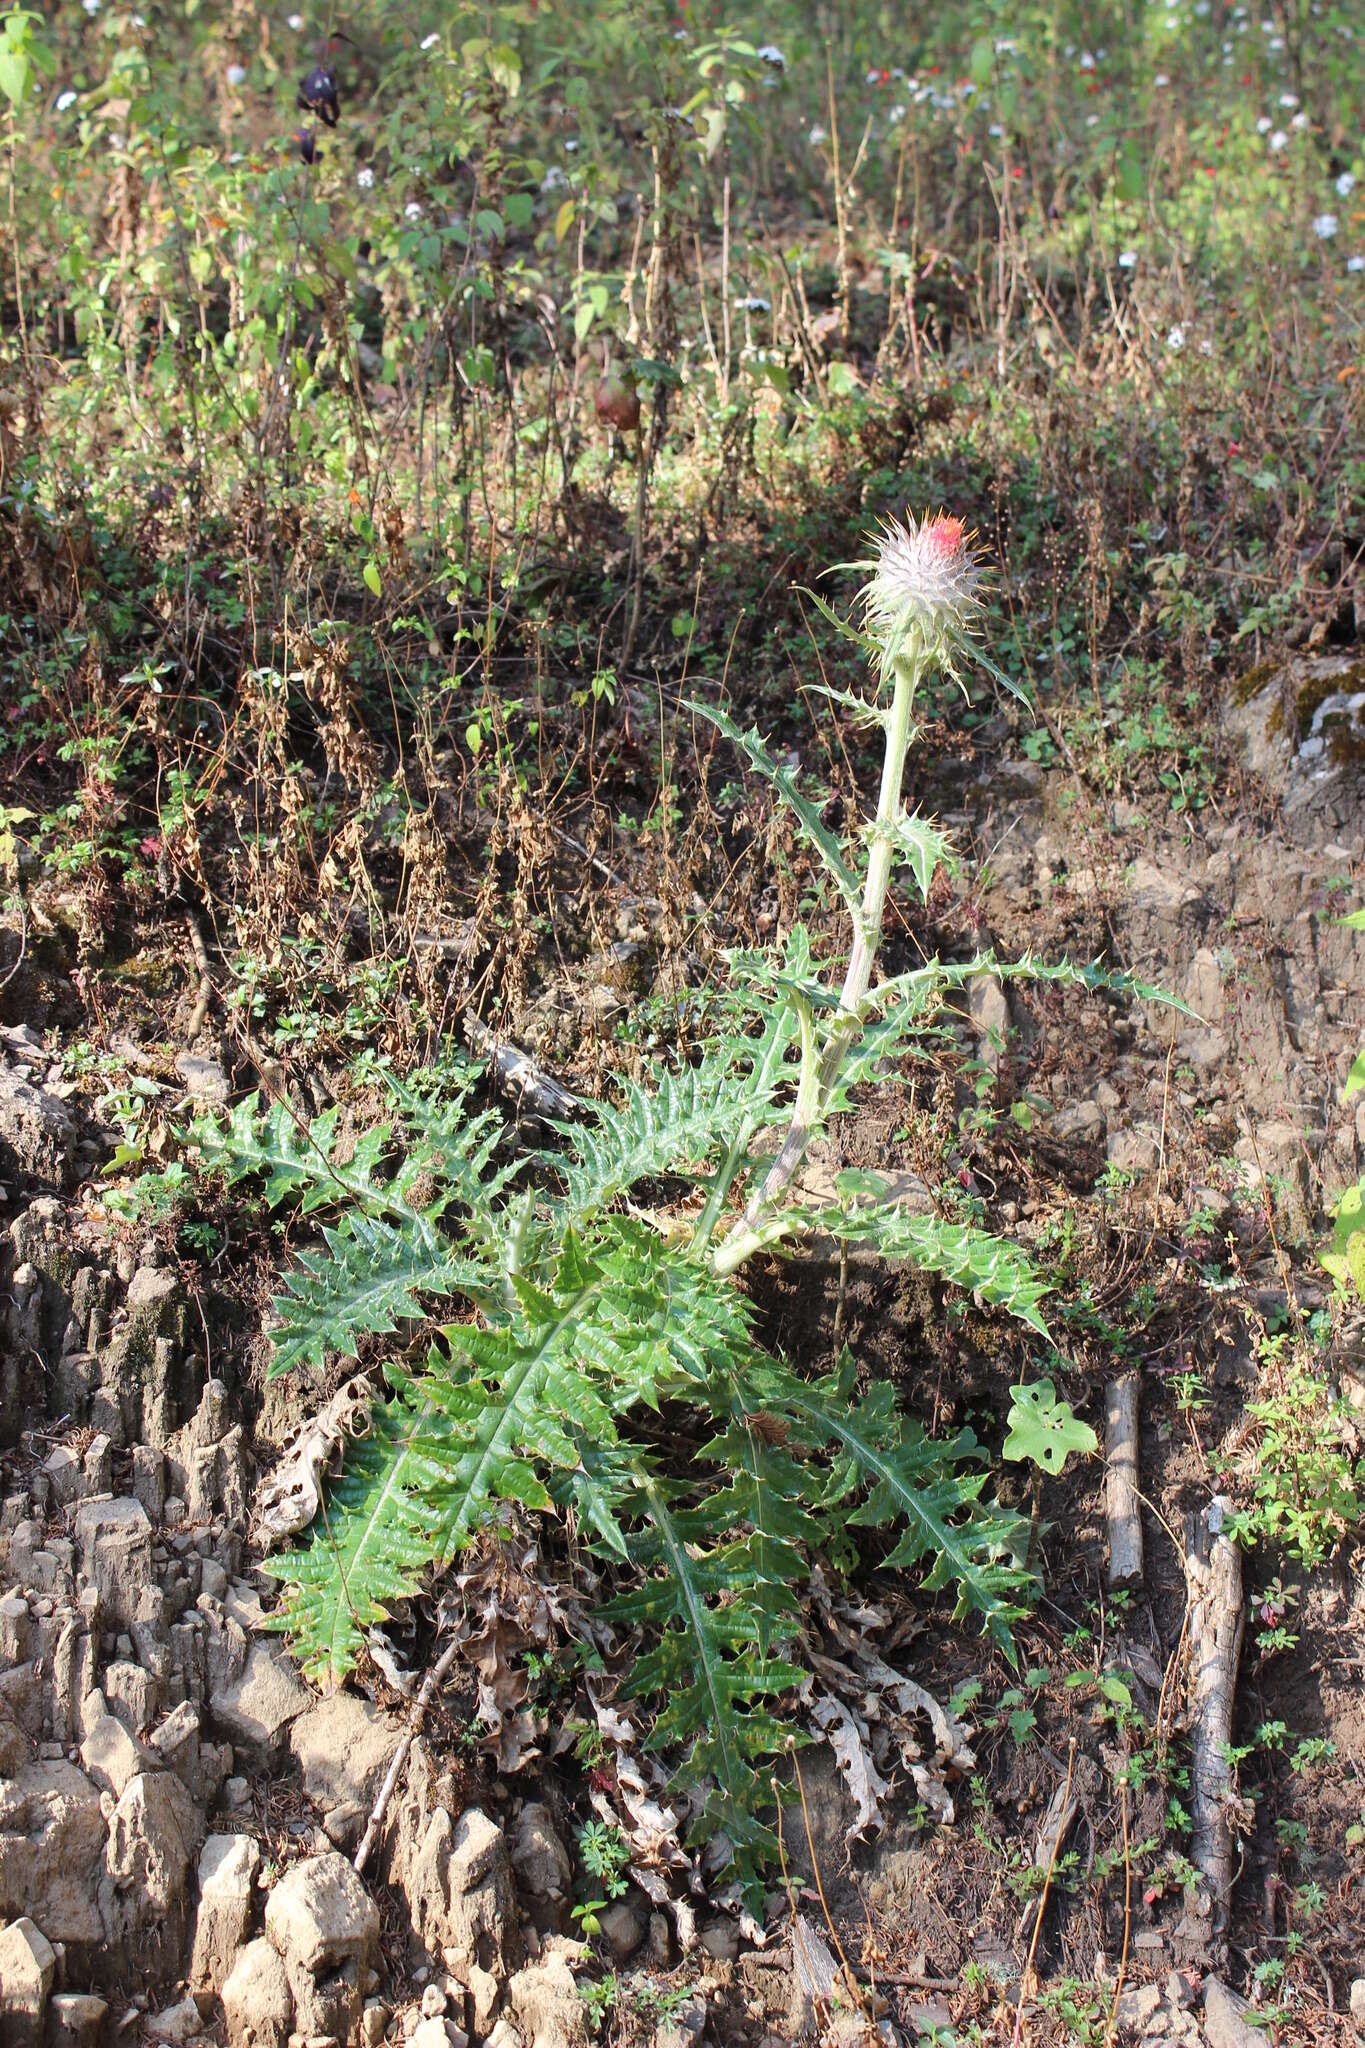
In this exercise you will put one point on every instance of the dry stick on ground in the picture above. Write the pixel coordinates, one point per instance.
(199, 947)
(518, 1072)
(1121, 1409)
(1213, 1569)
(400, 1756)
(1042, 1903)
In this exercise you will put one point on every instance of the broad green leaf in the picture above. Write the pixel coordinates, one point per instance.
(1043, 1430)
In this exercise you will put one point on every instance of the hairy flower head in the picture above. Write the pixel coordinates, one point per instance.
(922, 597)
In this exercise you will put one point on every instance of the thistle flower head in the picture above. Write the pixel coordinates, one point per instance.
(922, 597)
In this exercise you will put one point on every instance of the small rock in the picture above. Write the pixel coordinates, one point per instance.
(438, 2033)
(433, 2003)
(545, 2001)
(538, 1855)
(50, 1858)
(1137, 2005)
(111, 1757)
(114, 1538)
(1223, 2021)
(255, 1711)
(373, 2022)
(505, 2035)
(1081, 1123)
(1136, 1150)
(176, 1744)
(227, 1878)
(1358, 2001)
(485, 1990)
(27, 1965)
(257, 2005)
(180, 2022)
(143, 1894)
(320, 1915)
(325, 1925)
(622, 1928)
(344, 1747)
(685, 2025)
(204, 1079)
(37, 1133)
(76, 2019)
(720, 1938)
(1179, 1990)
(65, 1475)
(989, 1008)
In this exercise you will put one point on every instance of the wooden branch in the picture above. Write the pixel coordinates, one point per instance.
(400, 1755)
(1121, 1410)
(1213, 1571)
(520, 1075)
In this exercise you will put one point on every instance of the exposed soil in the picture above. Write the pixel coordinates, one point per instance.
(1173, 1168)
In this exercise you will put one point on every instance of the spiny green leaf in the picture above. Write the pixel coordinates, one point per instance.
(925, 1485)
(369, 1275)
(802, 809)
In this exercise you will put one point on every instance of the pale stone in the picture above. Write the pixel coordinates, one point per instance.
(227, 1876)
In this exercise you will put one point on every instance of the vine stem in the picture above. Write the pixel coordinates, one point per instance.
(820, 1070)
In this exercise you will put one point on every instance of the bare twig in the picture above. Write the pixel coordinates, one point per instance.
(423, 1700)
(1047, 1886)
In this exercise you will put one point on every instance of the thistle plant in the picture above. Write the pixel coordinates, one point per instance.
(606, 1370)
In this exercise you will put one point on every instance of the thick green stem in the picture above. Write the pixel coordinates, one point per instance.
(748, 1234)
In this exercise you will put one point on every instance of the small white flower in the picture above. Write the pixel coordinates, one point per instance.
(235, 74)
(772, 55)
(1346, 183)
(1161, 79)
(412, 211)
(1289, 99)
(1325, 226)
(1355, 262)
(755, 304)
(1264, 125)
(138, 20)
(872, 78)
(1278, 140)
(554, 180)
(430, 42)
(296, 22)
(1128, 259)
(1299, 121)
(91, 6)
(570, 145)
(897, 113)
(1275, 43)
(816, 136)
(1175, 340)
(65, 100)
(1092, 120)
(364, 177)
